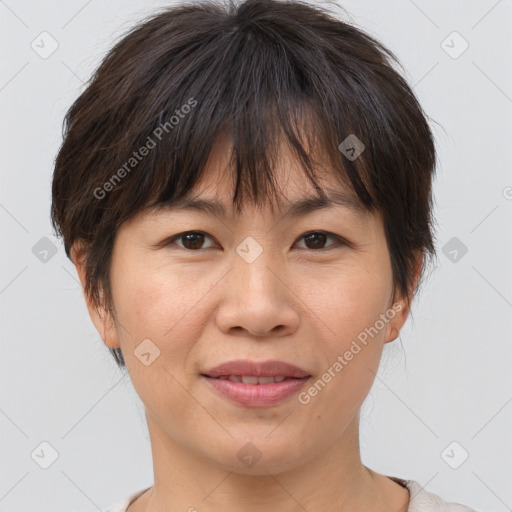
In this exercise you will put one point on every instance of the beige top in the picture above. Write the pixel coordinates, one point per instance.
(420, 500)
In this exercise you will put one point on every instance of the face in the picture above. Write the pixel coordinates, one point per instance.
(311, 290)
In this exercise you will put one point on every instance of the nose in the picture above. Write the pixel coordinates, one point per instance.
(258, 299)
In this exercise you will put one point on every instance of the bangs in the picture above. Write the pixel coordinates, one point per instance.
(252, 89)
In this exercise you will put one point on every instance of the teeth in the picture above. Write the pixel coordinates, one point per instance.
(252, 379)
(247, 379)
(264, 380)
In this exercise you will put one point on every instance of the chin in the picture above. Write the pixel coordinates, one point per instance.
(252, 455)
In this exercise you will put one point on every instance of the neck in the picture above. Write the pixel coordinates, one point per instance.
(332, 481)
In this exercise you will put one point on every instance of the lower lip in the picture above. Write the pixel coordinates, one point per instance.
(256, 395)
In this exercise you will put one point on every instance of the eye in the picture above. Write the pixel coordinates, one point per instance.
(192, 240)
(316, 239)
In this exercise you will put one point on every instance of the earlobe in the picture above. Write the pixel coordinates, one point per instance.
(397, 313)
(108, 330)
(399, 319)
(392, 335)
(401, 310)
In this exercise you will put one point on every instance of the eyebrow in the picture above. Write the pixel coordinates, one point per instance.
(298, 208)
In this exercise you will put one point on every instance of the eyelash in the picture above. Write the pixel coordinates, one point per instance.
(339, 241)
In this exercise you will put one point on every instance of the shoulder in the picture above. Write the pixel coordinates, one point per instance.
(424, 501)
(123, 504)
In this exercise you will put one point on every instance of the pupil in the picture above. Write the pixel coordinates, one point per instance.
(194, 240)
(315, 236)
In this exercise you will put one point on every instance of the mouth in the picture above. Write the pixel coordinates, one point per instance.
(243, 368)
(254, 379)
(256, 384)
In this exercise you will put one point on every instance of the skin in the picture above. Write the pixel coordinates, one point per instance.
(296, 303)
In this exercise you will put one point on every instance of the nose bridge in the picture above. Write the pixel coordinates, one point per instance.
(255, 296)
(255, 265)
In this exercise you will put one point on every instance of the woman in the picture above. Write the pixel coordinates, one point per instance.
(246, 194)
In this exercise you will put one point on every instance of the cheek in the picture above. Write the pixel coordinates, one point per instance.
(350, 299)
(164, 310)
(158, 305)
(350, 308)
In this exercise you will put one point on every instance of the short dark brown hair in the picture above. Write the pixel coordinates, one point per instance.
(258, 71)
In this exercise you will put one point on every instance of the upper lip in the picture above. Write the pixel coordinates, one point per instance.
(257, 368)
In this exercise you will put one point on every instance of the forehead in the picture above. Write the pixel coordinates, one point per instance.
(295, 196)
(297, 206)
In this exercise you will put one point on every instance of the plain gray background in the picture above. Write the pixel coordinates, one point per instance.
(446, 381)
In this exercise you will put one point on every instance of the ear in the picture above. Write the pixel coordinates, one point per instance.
(100, 317)
(400, 306)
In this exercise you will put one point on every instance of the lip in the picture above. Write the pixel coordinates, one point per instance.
(257, 368)
(256, 395)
